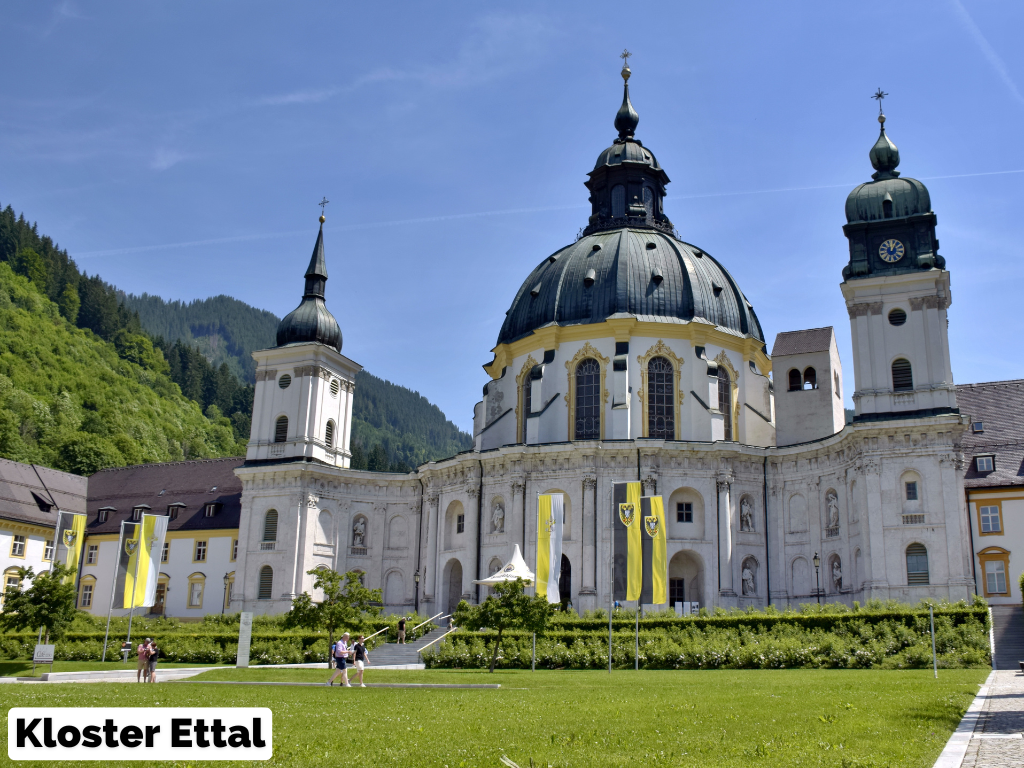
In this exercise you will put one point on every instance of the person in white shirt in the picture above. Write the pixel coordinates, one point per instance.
(341, 654)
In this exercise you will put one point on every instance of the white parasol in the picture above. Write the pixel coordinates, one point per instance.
(515, 568)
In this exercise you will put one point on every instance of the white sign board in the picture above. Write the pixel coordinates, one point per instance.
(244, 640)
(43, 654)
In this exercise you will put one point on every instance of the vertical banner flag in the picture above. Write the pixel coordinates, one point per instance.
(68, 544)
(550, 516)
(655, 551)
(141, 575)
(626, 541)
(129, 545)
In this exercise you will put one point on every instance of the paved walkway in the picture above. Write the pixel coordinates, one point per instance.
(990, 735)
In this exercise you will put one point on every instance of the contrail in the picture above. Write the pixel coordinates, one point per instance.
(989, 52)
(479, 214)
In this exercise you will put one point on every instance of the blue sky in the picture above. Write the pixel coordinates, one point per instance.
(181, 148)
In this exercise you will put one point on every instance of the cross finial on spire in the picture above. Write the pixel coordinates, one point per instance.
(625, 64)
(879, 95)
(323, 203)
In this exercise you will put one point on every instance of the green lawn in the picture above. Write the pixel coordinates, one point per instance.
(24, 668)
(773, 718)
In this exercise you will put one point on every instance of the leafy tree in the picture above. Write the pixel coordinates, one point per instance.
(48, 602)
(69, 303)
(346, 601)
(31, 265)
(84, 453)
(508, 608)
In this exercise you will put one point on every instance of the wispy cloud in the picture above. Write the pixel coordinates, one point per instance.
(297, 97)
(989, 52)
(166, 158)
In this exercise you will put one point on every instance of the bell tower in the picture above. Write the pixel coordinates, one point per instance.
(304, 386)
(897, 291)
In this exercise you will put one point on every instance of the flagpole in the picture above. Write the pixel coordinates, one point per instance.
(636, 639)
(611, 574)
(113, 588)
(135, 578)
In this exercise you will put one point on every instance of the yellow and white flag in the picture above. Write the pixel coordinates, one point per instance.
(550, 517)
(143, 549)
(68, 544)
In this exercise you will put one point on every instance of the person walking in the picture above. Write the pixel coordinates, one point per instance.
(401, 630)
(154, 655)
(142, 673)
(362, 658)
(341, 654)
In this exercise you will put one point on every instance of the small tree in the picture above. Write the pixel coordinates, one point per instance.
(48, 602)
(509, 608)
(343, 603)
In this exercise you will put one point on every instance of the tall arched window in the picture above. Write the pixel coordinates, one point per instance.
(618, 201)
(917, 564)
(329, 434)
(527, 402)
(887, 208)
(270, 526)
(795, 382)
(902, 376)
(648, 203)
(725, 400)
(265, 590)
(810, 378)
(588, 400)
(281, 429)
(661, 415)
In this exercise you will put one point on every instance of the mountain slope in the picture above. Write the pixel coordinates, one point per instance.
(69, 399)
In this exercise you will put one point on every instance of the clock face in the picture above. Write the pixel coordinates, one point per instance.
(891, 251)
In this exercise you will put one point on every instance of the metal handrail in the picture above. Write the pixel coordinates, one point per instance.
(442, 637)
(425, 622)
(378, 632)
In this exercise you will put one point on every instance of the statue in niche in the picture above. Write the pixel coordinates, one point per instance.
(837, 575)
(498, 518)
(749, 583)
(746, 515)
(359, 533)
(832, 503)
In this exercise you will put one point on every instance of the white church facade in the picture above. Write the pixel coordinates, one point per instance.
(628, 355)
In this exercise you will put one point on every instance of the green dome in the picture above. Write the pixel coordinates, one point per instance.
(888, 196)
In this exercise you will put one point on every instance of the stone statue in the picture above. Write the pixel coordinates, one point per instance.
(749, 587)
(359, 533)
(746, 515)
(832, 502)
(498, 518)
(837, 574)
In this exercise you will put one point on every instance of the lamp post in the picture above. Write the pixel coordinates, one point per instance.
(416, 578)
(817, 562)
(227, 582)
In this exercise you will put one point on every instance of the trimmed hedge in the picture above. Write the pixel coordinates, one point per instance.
(889, 639)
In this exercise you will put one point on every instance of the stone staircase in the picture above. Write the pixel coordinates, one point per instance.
(405, 655)
(1008, 631)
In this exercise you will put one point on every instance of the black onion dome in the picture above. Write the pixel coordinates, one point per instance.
(905, 197)
(641, 273)
(311, 321)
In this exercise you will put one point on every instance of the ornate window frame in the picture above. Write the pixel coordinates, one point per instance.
(997, 554)
(587, 350)
(660, 350)
(524, 372)
(196, 578)
(723, 359)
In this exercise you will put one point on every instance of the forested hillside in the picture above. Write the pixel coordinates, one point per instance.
(224, 329)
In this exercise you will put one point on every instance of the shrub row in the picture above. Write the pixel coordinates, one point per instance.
(890, 643)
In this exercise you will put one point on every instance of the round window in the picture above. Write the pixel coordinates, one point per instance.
(335, 386)
(284, 381)
(897, 317)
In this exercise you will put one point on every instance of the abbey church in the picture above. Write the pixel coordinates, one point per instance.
(629, 354)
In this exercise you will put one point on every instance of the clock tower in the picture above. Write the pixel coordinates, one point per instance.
(897, 291)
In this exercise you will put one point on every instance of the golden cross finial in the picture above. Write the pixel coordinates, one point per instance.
(879, 95)
(625, 64)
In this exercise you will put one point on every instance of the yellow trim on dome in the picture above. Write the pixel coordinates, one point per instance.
(621, 329)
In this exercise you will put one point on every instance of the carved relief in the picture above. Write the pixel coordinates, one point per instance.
(748, 577)
(832, 509)
(498, 515)
(746, 514)
(359, 532)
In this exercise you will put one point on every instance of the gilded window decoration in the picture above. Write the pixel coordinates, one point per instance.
(734, 379)
(570, 394)
(587, 425)
(523, 381)
(660, 350)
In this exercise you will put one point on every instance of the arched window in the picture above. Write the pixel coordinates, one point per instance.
(648, 203)
(588, 400)
(917, 564)
(902, 376)
(887, 208)
(329, 434)
(281, 429)
(266, 585)
(725, 400)
(810, 378)
(661, 416)
(795, 381)
(270, 526)
(618, 201)
(527, 402)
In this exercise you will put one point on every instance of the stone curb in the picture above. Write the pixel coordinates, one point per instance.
(952, 755)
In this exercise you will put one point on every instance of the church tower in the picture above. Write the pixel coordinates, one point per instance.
(304, 385)
(897, 290)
